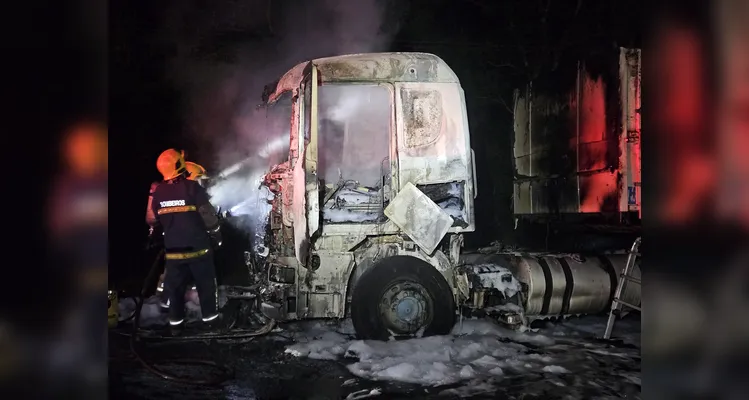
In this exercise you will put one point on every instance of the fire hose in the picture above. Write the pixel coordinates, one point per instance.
(226, 372)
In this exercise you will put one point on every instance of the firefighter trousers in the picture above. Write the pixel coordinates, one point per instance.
(179, 274)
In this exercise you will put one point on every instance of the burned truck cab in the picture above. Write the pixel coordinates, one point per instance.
(379, 186)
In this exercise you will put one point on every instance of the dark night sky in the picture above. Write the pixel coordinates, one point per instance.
(485, 42)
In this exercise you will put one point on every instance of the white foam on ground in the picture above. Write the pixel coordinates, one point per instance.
(364, 394)
(477, 355)
(555, 369)
(476, 349)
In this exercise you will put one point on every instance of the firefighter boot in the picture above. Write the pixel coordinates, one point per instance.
(216, 324)
(175, 330)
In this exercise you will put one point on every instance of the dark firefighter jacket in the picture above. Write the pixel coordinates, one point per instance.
(186, 216)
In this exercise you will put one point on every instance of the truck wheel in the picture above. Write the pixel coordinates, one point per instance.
(402, 296)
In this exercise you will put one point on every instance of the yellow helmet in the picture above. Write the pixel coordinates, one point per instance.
(171, 163)
(194, 171)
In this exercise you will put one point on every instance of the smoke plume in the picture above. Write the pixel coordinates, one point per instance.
(224, 52)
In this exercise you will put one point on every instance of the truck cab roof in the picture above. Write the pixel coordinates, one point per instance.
(370, 67)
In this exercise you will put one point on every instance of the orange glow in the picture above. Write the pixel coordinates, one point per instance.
(680, 97)
(692, 182)
(681, 82)
(86, 150)
(79, 194)
(599, 187)
(593, 148)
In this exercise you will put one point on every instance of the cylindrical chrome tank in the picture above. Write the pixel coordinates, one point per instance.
(565, 285)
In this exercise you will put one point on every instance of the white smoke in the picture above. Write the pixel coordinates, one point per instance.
(354, 133)
(340, 111)
(232, 192)
(245, 199)
(225, 52)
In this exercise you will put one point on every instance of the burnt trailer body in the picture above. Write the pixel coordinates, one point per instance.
(577, 143)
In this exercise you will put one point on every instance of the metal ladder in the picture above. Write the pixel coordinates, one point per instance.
(617, 304)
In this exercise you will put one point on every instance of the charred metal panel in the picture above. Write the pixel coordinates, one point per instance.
(542, 146)
(570, 151)
(419, 217)
(339, 243)
(630, 72)
(322, 291)
(424, 109)
(299, 213)
(291, 80)
(433, 140)
(386, 228)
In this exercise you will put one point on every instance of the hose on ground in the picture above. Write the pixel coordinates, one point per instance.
(225, 373)
(237, 334)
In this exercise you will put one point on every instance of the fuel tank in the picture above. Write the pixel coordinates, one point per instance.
(566, 284)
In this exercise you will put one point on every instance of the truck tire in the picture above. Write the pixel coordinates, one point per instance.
(400, 297)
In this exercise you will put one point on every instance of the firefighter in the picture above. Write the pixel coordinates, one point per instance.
(195, 172)
(190, 224)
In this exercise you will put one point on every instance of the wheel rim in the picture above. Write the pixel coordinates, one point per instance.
(406, 307)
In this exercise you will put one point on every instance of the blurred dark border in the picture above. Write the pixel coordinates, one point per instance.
(54, 56)
(699, 256)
